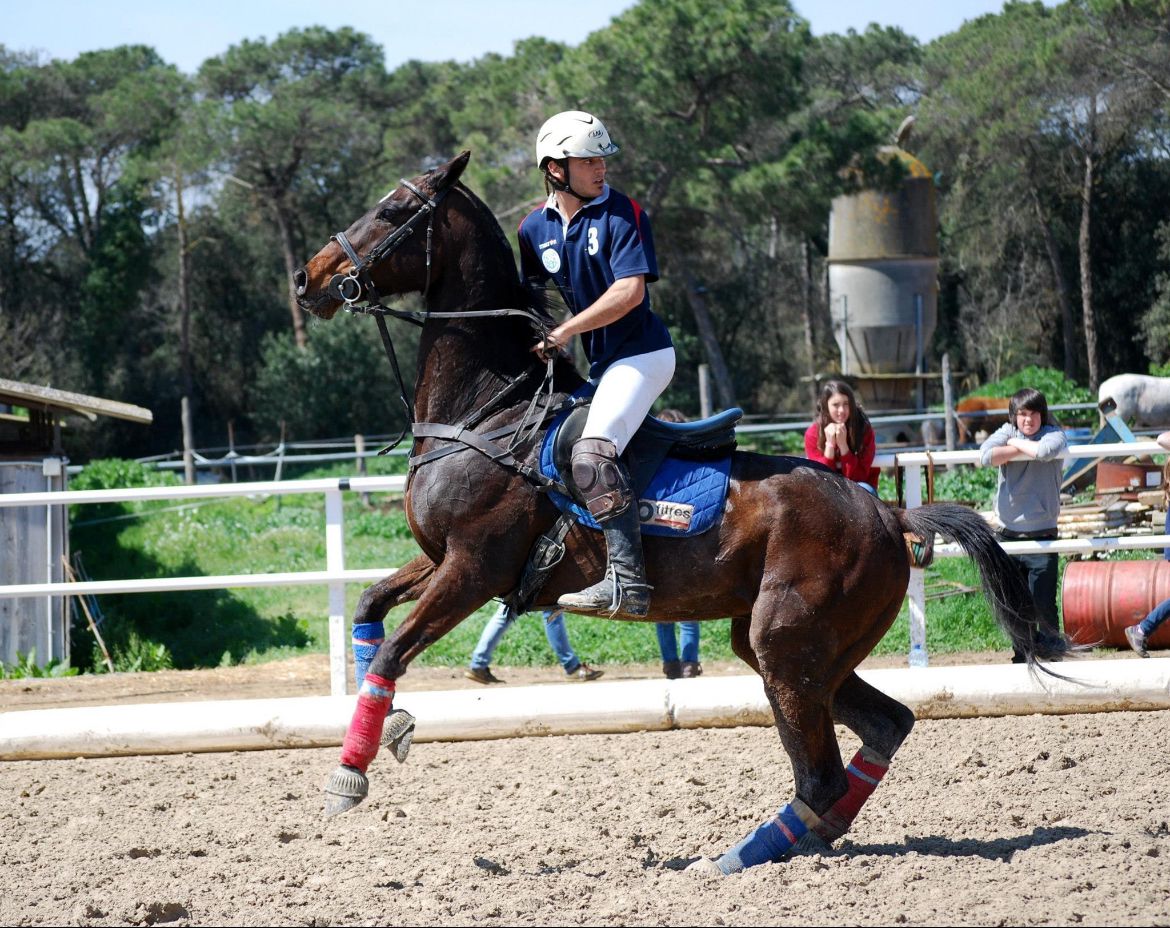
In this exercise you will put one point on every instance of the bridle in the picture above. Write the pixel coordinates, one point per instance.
(357, 286)
(357, 290)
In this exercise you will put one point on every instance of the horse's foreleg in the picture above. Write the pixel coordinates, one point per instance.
(405, 585)
(444, 604)
(882, 724)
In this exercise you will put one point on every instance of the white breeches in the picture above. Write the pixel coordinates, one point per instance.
(625, 393)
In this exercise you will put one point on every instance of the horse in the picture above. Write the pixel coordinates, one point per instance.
(810, 568)
(988, 413)
(1142, 400)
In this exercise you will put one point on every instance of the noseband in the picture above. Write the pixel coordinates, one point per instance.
(357, 286)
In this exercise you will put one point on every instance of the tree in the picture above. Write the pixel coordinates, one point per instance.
(1032, 116)
(296, 123)
(681, 81)
(984, 115)
(74, 189)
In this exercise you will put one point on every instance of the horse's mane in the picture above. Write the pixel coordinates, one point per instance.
(531, 293)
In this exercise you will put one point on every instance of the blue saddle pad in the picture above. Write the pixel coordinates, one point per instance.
(683, 498)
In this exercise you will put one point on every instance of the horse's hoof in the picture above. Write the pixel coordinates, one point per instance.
(707, 867)
(398, 733)
(810, 843)
(346, 788)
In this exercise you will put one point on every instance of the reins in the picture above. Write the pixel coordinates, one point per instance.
(360, 295)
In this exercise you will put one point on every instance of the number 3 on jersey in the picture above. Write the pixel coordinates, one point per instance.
(593, 245)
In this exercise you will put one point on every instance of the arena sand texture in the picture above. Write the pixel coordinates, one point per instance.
(1031, 820)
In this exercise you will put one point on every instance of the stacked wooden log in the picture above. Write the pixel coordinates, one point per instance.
(1111, 515)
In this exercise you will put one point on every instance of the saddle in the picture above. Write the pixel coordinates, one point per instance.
(683, 467)
(704, 440)
(679, 471)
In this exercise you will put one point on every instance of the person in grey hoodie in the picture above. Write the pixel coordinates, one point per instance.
(1027, 450)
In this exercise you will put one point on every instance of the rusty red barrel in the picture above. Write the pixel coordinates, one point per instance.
(1100, 598)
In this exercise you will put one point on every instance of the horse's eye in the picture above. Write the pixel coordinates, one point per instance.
(386, 215)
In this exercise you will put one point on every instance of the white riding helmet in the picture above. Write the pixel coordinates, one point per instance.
(573, 134)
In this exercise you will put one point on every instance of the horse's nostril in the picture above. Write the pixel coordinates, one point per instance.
(300, 281)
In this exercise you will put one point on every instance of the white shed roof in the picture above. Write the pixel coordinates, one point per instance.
(27, 394)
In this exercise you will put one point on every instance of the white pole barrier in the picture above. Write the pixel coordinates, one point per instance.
(916, 589)
(335, 563)
(513, 712)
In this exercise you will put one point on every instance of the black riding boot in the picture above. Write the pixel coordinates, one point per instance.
(605, 488)
(623, 590)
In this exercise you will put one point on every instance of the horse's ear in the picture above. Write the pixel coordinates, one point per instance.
(447, 174)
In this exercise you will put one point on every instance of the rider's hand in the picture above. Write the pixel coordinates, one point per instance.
(549, 347)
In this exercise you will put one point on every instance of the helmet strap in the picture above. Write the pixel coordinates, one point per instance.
(565, 186)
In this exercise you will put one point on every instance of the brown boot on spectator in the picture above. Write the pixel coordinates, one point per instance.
(672, 670)
(691, 669)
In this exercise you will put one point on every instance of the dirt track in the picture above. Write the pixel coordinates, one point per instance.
(1036, 820)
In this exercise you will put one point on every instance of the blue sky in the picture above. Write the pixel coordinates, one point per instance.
(185, 33)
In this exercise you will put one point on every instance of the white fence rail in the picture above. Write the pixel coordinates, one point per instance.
(335, 575)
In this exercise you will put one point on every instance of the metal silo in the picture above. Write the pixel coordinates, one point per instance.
(883, 285)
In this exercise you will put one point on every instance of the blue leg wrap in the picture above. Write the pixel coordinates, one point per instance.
(769, 842)
(366, 638)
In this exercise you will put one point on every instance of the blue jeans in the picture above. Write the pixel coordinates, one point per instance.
(1159, 614)
(554, 631)
(689, 633)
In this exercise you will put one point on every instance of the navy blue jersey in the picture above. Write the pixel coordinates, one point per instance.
(608, 239)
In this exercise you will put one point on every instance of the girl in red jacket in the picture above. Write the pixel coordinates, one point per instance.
(841, 435)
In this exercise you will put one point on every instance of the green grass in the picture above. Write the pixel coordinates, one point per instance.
(276, 534)
(284, 534)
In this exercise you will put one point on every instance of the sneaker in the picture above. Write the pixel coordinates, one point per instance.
(1137, 640)
(481, 675)
(584, 673)
(691, 669)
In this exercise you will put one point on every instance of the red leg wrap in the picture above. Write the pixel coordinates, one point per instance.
(863, 774)
(365, 729)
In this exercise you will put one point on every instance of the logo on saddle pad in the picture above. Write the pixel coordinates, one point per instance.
(669, 515)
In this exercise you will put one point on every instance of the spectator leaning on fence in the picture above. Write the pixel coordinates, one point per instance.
(1027, 450)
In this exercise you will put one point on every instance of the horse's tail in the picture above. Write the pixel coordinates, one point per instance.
(1004, 582)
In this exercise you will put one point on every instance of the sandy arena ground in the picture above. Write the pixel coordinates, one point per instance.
(1016, 821)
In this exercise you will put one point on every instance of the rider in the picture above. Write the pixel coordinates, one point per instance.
(596, 246)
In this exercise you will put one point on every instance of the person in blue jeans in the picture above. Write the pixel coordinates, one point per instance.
(672, 667)
(1138, 635)
(558, 638)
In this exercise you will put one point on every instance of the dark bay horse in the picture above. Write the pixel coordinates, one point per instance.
(811, 569)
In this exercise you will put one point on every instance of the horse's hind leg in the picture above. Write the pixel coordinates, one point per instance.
(806, 730)
(882, 724)
(741, 643)
(801, 709)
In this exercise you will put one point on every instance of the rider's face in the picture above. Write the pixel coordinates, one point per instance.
(587, 175)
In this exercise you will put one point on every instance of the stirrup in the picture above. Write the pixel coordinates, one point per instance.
(610, 597)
